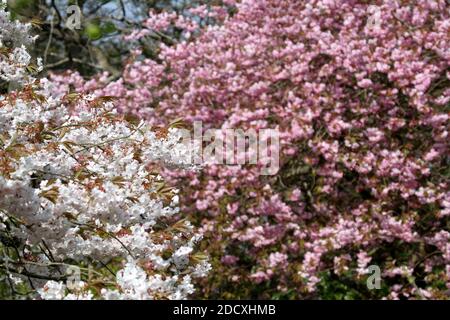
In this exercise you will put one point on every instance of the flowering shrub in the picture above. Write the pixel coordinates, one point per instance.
(84, 211)
(360, 93)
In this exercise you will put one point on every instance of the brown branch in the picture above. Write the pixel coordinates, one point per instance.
(33, 275)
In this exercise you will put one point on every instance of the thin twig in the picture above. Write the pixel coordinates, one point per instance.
(50, 37)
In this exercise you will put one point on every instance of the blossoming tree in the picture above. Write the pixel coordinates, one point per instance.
(360, 93)
(84, 211)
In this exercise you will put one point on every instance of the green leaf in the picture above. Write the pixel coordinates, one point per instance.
(93, 31)
(108, 28)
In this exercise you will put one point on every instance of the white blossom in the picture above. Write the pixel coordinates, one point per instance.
(84, 190)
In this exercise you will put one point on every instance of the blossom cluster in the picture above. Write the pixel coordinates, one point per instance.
(16, 61)
(360, 93)
(84, 210)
